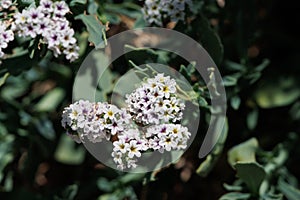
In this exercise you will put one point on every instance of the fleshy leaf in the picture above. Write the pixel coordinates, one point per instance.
(95, 29)
(235, 196)
(244, 152)
(252, 174)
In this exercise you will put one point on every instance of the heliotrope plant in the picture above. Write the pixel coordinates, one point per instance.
(149, 122)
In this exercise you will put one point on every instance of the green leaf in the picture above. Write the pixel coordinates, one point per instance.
(6, 154)
(233, 187)
(18, 63)
(244, 152)
(263, 65)
(233, 66)
(295, 111)
(130, 178)
(289, 191)
(108, 197)
(284, 92)
(106, 81)
(140, 22)
(252, 119)
(208, 38)
(271, 196)
(92, 7)
(50, 101)
(70, 192)
(3, 79)
(140, 56)
(74, 2)
(105, 185)
(95, 29)
(67, 153)
(45, 127)
(13, 91)
(126, 84)
(252, 174)
(235, 196)
(129, 9)
(229, 80)
(210, 161)
(187, 71)
(235, 102)
(202, 102)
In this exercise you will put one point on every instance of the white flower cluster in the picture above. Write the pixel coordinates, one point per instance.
(155, 102)
(156, 11)
(168, 137)
(95, 121)
(5, 4)
(133, 142)
(6, 36)
(149, 123)
(48, 21)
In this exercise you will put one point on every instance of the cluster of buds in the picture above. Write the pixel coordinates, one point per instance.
(150, 122)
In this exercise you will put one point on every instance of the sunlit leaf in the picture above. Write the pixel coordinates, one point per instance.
(284, 92)
(3, 79)
(244, 152)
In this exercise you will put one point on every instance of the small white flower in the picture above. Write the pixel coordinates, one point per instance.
(61, 8)
(117, 157)
(181, 144)
(21, 18)
(115, 128)
(131, 163)
(167, 142)
(34, 15)
(133, 149)
(46, 6)
(5, 4)
(120, 145)
(42, 27)
(72, 53)
(110, 112)
(68, 39)
(121, 167)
